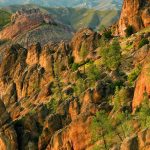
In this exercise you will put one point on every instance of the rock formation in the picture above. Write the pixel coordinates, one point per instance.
(142, 84)
(135, 13)
(30, 26)
(84, 39)
(8, 136)
(47, 103)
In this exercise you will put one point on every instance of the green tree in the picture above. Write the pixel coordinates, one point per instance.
(100, 127)
(52, 105)
(75, 66)
(144, 112)
(120, 98)
(111, 55)
(123, 119)
(129, 30)
(93, 73)
(133, 75)
(83, 53)
(143, 42)
(107, 34)
(58, 82)
(79, 87)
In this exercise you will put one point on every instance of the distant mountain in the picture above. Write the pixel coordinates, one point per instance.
(28, 26)
(75, 17)
(97, 4)
(4, 18)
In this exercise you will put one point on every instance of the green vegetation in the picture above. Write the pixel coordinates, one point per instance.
(119, 123)
(2, 42)
(107, 35)
(92, 74)
(133, 75)
(144, 112)
(143, 42)
(52, 105)
(111, 55)
(119, 99)
(79, 87)
(101, 127)
(129, 31)
(77, 17)
(75, 66)
(32, 112)
(4, 18)
(83, 53)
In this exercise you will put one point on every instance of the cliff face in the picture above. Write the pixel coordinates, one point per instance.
(142, 84)
(49, 95)
(8, 136)
(135, 13)
(32, 81)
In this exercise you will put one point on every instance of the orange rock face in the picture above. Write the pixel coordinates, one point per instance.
(8, 137)
(142, 84)
(84, 38)
(135, 13)
(72, 137)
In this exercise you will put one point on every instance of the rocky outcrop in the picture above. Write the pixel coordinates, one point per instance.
(137, 142)
(30, 26)
(142, 84)
(72, 136)
(84, 40)
(52, 124)
(135, 13)
(47, 107)
(8, 137)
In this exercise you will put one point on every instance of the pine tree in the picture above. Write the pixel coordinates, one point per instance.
(144, 112)
(111, 55)
(100, 127)
(83, 53)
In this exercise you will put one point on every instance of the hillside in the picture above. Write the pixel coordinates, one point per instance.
(81, 90)
(30, 26)
(76, 17)
(54, 95)
(135, 15)
(96, 4)
(4, 18)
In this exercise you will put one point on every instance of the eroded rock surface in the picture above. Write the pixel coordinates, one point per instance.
(135, 13)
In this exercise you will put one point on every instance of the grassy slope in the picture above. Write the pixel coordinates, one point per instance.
(80, 17)
(77, 17)
(4, 18)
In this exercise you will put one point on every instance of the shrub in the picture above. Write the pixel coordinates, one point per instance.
(143, 42)
(111, 55)
(129, 31)
(144, 112)
(52, 105)
(120, 98)
(93, 72)
(79, 87)
(75, 66)
(107, 34)
(70, 60)
(100, 127)
(2, 42)
(83, 53)
(133, 75)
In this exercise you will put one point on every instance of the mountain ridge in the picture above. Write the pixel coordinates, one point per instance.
(75, 17)
(96, 4)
